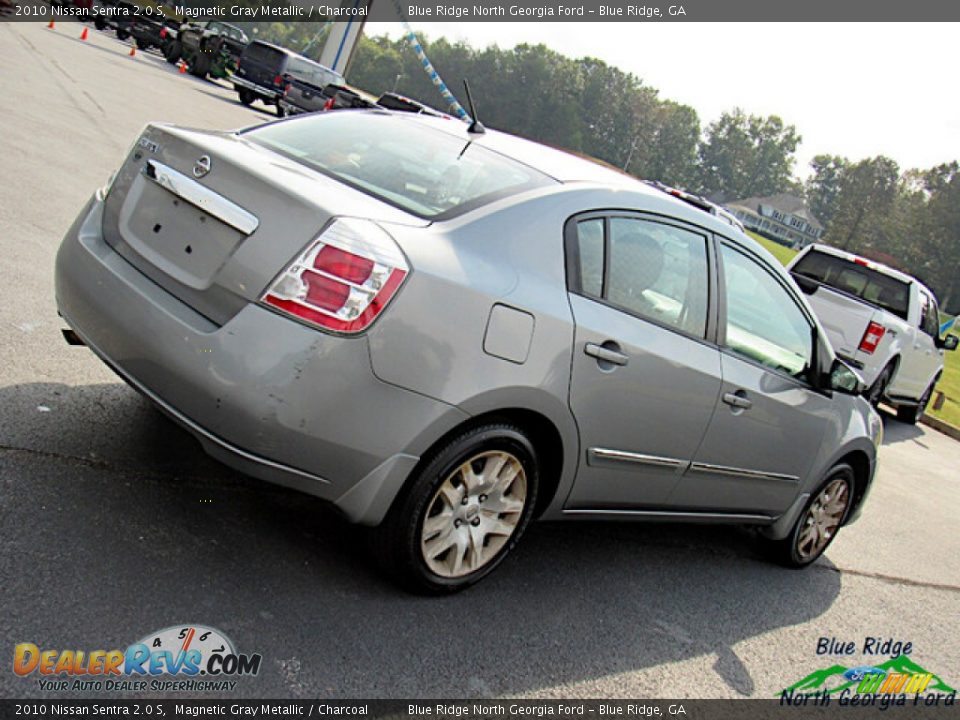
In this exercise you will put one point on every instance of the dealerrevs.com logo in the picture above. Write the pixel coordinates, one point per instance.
(189, 658)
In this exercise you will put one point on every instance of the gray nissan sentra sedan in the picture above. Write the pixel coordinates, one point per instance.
(446, 334)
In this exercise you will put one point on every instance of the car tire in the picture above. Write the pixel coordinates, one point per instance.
(122, 34)
(246, 96)
(876, 392)
(463, 511)
(99, 23)
(143, 45)
(172, 52)
(200, 64)
(911, 414)
(803, 546)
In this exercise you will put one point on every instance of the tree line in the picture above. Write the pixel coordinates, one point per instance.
(907, 218)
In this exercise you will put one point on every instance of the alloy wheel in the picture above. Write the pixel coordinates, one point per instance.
(473, 514)
(823, 518)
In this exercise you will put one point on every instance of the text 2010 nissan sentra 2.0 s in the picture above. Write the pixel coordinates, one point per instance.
(447, 333)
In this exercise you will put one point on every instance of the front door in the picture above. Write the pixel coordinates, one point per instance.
(770, 422)
(644, 382)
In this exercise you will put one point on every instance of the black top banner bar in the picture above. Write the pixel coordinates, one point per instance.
(491, 11)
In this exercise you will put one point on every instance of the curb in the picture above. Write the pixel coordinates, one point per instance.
(941, 426)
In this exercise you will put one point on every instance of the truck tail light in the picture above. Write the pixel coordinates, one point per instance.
(872, 337)
(343, 280)
(278, 80)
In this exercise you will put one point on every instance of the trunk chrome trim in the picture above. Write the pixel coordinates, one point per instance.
(201, 196)
(742, 472)
(675, 515)
(596, 453)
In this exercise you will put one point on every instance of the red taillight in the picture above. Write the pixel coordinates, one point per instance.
(861, 261)
(344, 279)
(872, 337)
(163, 33)
(341, 263)
(278, 80)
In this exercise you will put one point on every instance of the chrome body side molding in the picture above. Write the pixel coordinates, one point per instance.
(599, 456)
(742, 472)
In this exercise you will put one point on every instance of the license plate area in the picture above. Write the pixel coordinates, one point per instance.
(178, 238)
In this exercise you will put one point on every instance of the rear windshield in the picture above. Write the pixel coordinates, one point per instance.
(311, 72)
(421, 169)
(860, 281)
(264, 54)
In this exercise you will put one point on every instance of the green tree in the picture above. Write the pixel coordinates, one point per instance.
(822, 189)
(747, 155)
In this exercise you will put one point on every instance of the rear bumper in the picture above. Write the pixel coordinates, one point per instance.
(264, 92)
(264, 394)
(290, 109)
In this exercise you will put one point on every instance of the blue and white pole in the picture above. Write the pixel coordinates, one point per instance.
(455, 107)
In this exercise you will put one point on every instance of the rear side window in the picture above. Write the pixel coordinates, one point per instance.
(929, 317)
(649, 269)
(303, 69)
(264, 55)
(860, 281)
(416, 166)
(764, 323)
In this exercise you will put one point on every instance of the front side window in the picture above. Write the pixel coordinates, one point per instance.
(649, 269)
(763, 322)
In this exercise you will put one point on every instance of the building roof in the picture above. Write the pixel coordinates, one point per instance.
(784, 202)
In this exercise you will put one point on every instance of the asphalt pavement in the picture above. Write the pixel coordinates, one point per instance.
(113, 523)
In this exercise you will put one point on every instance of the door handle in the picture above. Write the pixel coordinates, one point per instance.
(738, 400)
(606, 354)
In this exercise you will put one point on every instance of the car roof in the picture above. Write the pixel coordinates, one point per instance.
(280, 48)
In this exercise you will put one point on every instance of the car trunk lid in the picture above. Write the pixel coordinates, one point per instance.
(213, 218)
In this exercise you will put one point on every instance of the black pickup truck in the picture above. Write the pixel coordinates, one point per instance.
(208, 48)
(150, 29)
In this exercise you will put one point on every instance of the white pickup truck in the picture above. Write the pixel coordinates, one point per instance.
(882, 322)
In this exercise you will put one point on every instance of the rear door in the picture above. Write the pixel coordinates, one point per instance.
(769, 422)
(644, 378)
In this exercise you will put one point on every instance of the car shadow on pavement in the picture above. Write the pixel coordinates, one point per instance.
(895, 431)
(130, 521)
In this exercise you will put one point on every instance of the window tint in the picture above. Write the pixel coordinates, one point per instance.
(412, 165)
(858, 280)
(929, 317)
(763, 321)
(264, 55)
(311, 72)
(656, 271)
(590, 256)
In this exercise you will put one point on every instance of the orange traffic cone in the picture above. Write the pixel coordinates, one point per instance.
(50, 25)
(183, 67)
(133, 51)
(83, 35)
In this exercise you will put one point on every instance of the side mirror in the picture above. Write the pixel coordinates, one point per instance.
(950, 342)
(808, 285)
(844, 379)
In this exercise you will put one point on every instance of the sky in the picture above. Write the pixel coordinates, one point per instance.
(855, 89)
